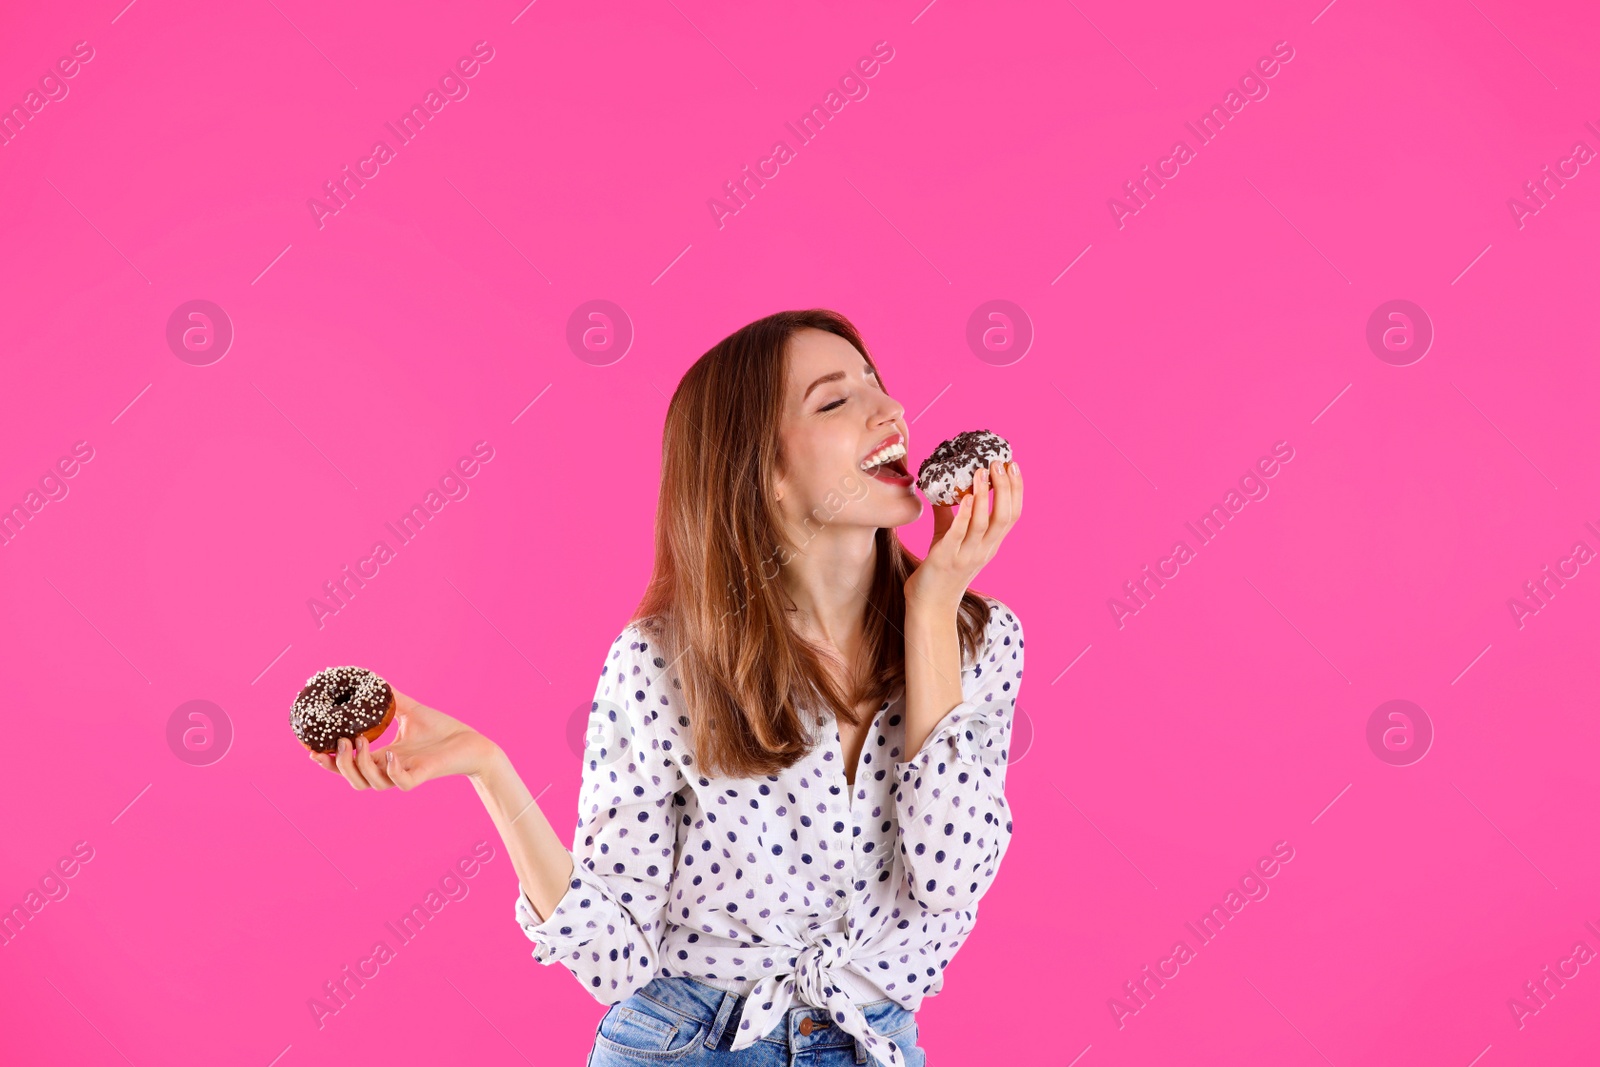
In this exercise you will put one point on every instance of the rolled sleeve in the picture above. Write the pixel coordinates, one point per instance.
(607, 927)
(560, 933)
(954, 820)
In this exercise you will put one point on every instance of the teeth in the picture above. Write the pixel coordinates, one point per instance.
(883, 456)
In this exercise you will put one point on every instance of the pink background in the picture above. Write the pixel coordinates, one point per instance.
(429, 313)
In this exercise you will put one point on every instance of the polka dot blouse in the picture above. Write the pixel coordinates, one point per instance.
(792, 888)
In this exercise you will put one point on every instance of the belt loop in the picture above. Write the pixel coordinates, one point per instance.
(714, 1035)
(861, 1051)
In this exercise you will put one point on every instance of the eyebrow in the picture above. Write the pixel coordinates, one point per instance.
(835, 376)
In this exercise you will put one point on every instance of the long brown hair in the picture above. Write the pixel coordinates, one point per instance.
(750, 681)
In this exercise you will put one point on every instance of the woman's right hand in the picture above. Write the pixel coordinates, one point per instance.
(428, 744)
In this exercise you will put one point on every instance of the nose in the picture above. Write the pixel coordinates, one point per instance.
(890, 409)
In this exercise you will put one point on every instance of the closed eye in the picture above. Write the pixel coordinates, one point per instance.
(872, 374)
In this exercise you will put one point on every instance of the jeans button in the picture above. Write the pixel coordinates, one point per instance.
(805, 1026)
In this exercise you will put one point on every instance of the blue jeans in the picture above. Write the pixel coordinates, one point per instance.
(681, 1021)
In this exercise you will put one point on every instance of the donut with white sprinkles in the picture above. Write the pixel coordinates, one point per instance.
(341, 702)
(946, 475)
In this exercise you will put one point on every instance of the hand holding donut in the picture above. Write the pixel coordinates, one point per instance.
(966, 536)
(428, 744)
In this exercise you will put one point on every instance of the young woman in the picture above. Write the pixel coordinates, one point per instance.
(793, 789)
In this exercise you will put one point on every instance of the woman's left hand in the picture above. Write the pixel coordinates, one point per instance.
(965, 538)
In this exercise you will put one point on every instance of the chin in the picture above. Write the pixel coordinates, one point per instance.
(904, 514)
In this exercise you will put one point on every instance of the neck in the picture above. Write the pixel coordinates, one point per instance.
(827, 582)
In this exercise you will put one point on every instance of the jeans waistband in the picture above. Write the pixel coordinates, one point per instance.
(720, 1009)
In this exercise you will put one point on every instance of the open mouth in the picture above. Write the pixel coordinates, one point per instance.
(895, 467)
(890, 469)
(888, 465)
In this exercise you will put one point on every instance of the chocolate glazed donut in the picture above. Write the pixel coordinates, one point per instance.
(946, 475)
(341, 702)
